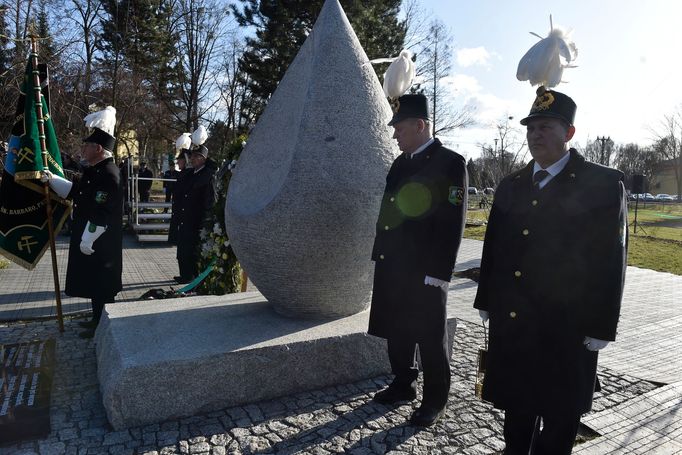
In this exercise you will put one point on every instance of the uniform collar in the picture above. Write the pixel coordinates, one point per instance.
(555, 168)
(571, 168)
(422, 147)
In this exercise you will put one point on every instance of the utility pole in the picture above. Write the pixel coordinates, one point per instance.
(603, 141)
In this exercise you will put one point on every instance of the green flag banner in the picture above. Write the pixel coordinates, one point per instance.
(24, 234)
(28, 158)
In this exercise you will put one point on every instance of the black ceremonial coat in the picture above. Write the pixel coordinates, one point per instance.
(178, 191)
(194, 202)
(552, 272)
(98, 198)
(417, 234)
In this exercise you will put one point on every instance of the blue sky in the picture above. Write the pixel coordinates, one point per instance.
(629, 63)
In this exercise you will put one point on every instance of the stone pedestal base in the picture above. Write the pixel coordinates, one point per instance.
(165, 359)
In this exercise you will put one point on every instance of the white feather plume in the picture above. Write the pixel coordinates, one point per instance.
(199, 135)
(399, 75)
(183, 142)
(105, 120)
(544, 63)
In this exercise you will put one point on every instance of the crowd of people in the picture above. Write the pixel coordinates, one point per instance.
(551, 278)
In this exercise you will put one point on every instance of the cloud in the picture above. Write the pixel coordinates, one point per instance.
(462, 84)
(473, 56)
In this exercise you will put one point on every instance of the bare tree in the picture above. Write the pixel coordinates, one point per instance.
(598, 151)
(433, 69)
(76, 33)
(232, 85)
(16, 15)
(631, 159)
(202, 27)
(669, 143)
(508, 154)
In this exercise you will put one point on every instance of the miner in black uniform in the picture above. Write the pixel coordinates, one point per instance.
(180, 179)
(144, 186)
(171, 173)
(551, 282)
(195, 197)
(417, 237)
(95, 252)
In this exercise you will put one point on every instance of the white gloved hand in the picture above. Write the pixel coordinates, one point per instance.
(59, 185)
(594, 344)
(431, 281)
(90, 234)
(45, 176)
(484, 315)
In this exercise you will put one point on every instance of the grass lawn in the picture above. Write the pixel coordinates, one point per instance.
(656, 254)
(657, 245)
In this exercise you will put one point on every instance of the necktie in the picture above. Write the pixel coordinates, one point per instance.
(538, 177)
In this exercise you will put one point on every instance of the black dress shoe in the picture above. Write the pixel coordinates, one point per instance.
(393, 394)
(91, 324)
(87, 333)
(426, 416)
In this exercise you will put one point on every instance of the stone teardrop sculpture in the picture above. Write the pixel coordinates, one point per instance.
(304, 198)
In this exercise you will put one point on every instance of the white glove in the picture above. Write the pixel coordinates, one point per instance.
(594, 344)
(431, 281)
(90, 234)
(484, 315)
(59, 185)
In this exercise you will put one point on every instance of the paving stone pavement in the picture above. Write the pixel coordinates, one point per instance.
(648, 352)
(28, 295)
(341, 419)
(632, 426)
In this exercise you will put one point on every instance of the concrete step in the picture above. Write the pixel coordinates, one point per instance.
(154, 216)
(150, 226)
(152, 237)
(154, 205)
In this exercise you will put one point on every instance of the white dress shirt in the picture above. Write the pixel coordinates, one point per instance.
(553, 170)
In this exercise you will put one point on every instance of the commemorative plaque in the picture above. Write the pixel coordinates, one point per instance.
(25, 384)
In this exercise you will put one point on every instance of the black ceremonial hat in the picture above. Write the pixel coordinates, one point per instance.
(106, 140)
(201, 149)
(549, 103)
(410, 106)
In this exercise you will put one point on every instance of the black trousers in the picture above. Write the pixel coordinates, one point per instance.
(188, 256)
(433, 351)
(556, 437)
(98, 303)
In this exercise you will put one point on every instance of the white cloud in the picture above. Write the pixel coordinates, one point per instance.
(473, 56)
(462, 85)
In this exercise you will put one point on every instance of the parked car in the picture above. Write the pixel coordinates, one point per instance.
(472, 190)
(646, 197)
(664, 198)
(488, 191)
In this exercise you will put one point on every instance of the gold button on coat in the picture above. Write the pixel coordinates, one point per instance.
(517, 274)
(381, 256)
(512, 314)
(535, 202)
(525, 232)
(392, 199)
(386, 228)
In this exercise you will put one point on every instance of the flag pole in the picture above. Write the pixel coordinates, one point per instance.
(46, 187)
